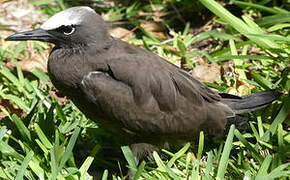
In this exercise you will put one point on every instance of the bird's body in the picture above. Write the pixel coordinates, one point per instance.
(129, 90)
(136, 91)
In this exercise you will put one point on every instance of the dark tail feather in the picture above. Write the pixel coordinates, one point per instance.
(249, 102)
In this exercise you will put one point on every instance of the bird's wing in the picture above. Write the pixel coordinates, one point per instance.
(156, 76)
(142, 95)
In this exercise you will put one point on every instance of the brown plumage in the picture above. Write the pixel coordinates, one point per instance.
(131, 91)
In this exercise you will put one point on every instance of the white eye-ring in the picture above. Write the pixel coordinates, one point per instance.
(69, 30)
(66, 30)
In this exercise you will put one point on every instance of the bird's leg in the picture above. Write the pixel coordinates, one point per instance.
(143, 151)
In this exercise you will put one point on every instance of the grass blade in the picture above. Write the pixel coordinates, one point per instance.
(237, 23)
(44, 140)
(178, 155)
(129, 156)
(105, 175)
(264, 167)
(3, 130)
(283, 113)
(200, 145)
(87, 163)
(24, 165)
(21, 127)
(139, 171)
(209, 165)
(69, 148)
(226, 153)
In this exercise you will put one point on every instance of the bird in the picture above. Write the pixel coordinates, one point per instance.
(133, 92)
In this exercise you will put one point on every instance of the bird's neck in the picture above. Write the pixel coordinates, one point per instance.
(69, 65)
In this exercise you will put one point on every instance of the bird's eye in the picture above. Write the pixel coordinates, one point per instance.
(67, 30)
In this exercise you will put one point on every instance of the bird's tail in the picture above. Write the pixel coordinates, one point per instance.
(249, 102)
(246, 104)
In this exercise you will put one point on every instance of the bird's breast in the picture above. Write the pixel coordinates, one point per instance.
(66, 69)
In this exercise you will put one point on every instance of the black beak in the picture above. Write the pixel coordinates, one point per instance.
(37, 34)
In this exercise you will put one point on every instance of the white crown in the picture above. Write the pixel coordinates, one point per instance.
(71, 16)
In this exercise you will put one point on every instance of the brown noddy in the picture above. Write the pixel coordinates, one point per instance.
(126, 89)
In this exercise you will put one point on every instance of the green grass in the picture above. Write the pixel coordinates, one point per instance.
(42, 139)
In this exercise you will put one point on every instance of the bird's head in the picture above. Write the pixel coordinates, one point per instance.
(72, 27)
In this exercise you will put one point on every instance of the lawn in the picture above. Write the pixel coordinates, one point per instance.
(238, 47)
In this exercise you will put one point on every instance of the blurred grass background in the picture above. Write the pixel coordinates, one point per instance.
(239, 47)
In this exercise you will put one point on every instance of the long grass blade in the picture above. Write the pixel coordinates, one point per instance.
(225, 154)
(24, 165)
